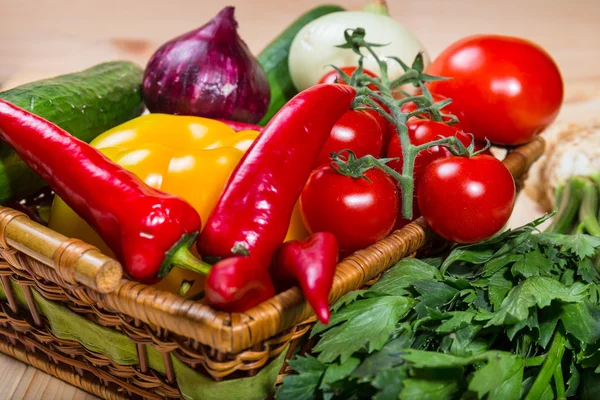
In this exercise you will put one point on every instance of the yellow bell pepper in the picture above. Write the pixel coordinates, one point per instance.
(190, 157)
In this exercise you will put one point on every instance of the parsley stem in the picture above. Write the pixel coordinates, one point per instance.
(535, 361)
(553, 359)
(569, 205)
(559, 383)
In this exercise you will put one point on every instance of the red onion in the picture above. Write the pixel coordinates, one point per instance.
(208, 72)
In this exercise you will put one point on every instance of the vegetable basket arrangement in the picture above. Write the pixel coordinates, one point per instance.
(187, 253)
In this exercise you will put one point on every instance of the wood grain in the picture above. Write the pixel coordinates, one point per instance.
(43, 38)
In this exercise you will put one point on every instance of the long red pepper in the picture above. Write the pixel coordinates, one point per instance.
(147, 229)
(253, 213)
(311, 263)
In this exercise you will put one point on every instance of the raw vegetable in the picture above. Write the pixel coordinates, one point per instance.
(310, 263)
(164, 151)
(274, 60)
(148, 230)
(316, 47)
(357, 131)
(240, 126)
(334, 76)
(466, 200)
(570, 150)
(84, 103)
(423, 131)
(358, 205)
(208, 72)
(238, 283)
(510, 318)
(383, 102)
(253, 213)
(510, 89)
(453, 116)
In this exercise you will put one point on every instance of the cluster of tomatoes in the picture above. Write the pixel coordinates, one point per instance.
(504, 90)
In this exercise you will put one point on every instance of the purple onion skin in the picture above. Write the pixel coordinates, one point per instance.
(208, 72)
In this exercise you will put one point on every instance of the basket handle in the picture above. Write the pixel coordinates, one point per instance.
(73, 260)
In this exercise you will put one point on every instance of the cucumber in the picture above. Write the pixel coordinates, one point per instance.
(274, 60)
(85, 104)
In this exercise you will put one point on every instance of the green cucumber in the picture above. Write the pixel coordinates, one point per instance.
(85, 104)
(274, 60)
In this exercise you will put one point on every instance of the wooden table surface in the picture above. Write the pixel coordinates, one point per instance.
(42, 38)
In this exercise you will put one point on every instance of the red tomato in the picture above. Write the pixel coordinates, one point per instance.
(510, 89)
(333, 76)
(386, 128)
(449, 109)
(422, 131)
(466, 200)
(356, 211)
(357, 131)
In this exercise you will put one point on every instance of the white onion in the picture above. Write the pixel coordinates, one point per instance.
(313, 48)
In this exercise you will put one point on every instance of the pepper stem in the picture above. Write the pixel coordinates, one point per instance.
(179, 254)
(183, 258)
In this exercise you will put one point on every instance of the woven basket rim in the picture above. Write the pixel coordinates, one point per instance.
(234, 332)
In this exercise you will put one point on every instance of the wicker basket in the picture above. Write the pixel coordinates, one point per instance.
(37, 261)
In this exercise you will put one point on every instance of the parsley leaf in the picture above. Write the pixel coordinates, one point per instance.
(582, 320)
(579, 244)
(433, 385)
(531, 264)
(337, 372)
(498, 288)
(389, 383)
(304, 385)
(533, 291)
(364, 322)
(403, 274)
(500, 378)
(458, 320)
(389, 356)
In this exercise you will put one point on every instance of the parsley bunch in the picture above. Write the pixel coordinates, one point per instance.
(516, 316)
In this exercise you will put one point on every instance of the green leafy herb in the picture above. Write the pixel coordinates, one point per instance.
(364, 323)
(514, 317)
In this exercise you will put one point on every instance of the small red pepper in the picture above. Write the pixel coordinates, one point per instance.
(236, 284)
(254, 211)
(148, 230)
(311, 263)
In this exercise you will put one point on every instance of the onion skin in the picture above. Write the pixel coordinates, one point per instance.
(208, 72)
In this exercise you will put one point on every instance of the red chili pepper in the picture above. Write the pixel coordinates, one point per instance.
(311, 263)
(238, 283)
(254, 211)
(147, 229)
(240, 126)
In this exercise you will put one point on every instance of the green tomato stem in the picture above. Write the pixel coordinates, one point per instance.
(553, 359)
(383, 98)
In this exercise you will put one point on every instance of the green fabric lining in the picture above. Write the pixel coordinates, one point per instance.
(67, 325)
